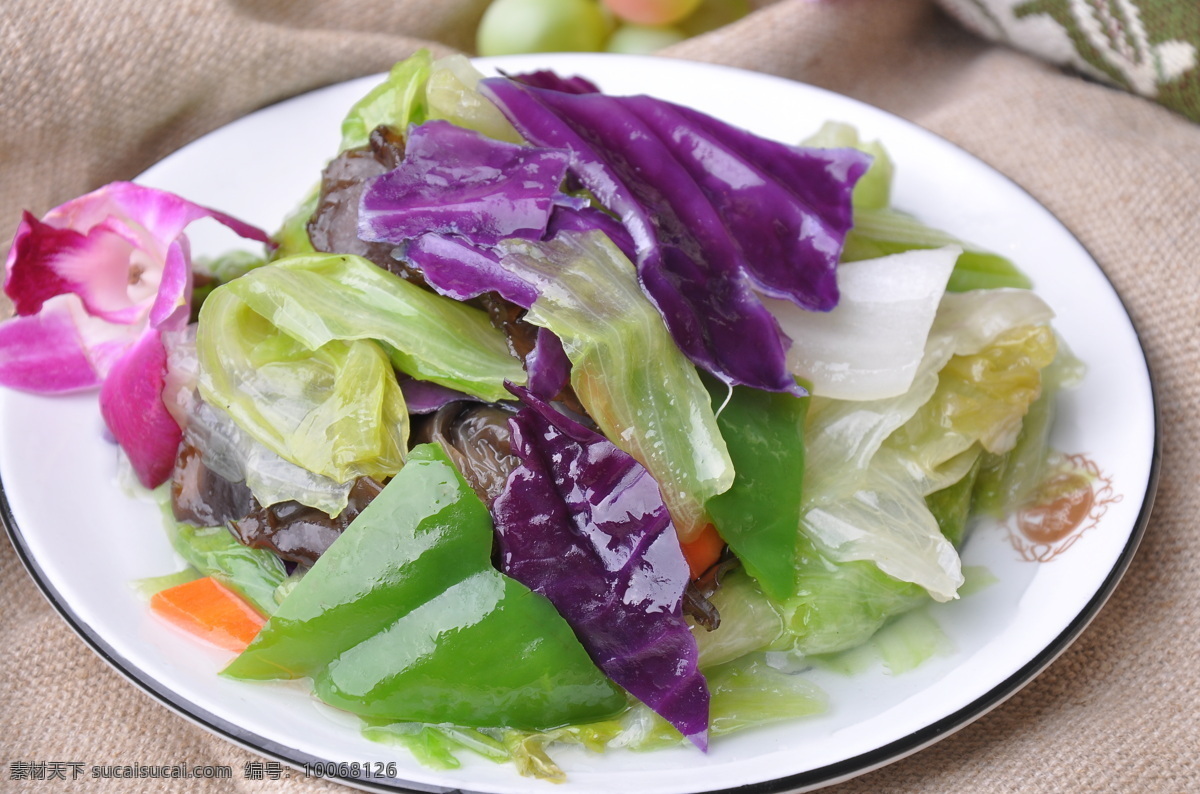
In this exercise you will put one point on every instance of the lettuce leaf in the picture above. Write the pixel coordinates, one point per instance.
(228, 450)
(300, 353)
(864, 498)
(951, 506)
(626, 370)
(422, 88)
(746, 693)
(981, 397)
(840, 605)
(451, 94)
(396, 102)
(1008, 480)
(749, 622)
(882, 231)
(254, 574)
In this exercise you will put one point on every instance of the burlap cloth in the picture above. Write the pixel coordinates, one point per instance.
(96, 90)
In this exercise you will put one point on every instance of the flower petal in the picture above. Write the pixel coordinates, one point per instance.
(33, 275)
(132, 406)
(164, 215)
(173, 303)
(43, 353)
(46, 262)
(111, 263)
(109, 247)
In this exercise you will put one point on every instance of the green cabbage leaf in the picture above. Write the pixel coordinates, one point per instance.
(302, 354)
(626, 369)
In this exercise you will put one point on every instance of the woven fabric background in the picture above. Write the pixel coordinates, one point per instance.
(96, 90)
(1150, 47)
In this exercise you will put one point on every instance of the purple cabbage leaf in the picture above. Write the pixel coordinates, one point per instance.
(545, 78)
(597, 327)
(717, 216)
(426, 397)
(455, 196)
(569, 219)
(456, 181)
(547, 365)
(460, 269)
(584, 524)
(626, 370)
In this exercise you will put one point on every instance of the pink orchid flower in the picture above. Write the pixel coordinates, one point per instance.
(94, 284)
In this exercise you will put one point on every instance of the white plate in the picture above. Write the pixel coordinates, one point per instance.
(84, 541)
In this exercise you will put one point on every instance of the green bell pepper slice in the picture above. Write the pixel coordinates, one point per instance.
(759, 516)
(405, 619)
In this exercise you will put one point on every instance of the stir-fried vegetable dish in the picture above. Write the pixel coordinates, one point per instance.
(549, 416)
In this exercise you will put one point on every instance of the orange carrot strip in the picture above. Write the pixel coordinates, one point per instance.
(704, 551)
(211, 611)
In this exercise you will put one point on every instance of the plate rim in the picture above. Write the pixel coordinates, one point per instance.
(808, 780)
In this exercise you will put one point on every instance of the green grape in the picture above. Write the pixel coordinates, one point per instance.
(642, 39)
(652, 12)
(712, 14)
(510, 27)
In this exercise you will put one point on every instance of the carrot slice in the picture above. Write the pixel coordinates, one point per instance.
(703, 552)
(208, 609)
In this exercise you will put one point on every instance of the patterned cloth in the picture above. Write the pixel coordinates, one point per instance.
(1149, 47)
(95, 90)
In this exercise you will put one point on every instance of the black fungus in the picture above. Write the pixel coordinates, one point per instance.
(201, 497)
(299, 533)
(477, 439)
(333, 227)
(696, 603)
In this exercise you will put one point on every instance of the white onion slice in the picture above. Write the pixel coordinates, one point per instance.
(870, 345)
